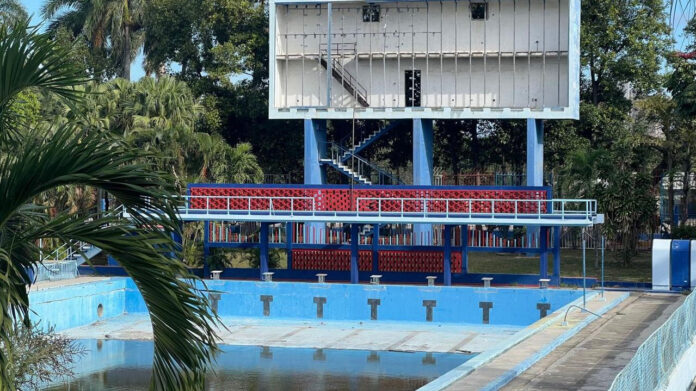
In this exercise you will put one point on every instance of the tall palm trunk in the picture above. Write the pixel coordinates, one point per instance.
(125, 70)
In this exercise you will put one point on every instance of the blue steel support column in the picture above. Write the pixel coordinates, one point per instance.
(447, 255)
(535, 152)
(263, 250)
(375, 248)
(354, 253)
(206, 249)
(535, 162)
(314, 171)
(465, 249)
(557, 255)
(543, 256)
(289, 227)
(422, 170)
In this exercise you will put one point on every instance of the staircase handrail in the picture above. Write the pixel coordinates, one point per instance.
(346, 76)
(69, 247)
(385, 129)
(337, 152)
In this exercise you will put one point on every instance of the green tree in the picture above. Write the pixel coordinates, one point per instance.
(623, 44)
(182, 324)
(112, 27)
(11, 11)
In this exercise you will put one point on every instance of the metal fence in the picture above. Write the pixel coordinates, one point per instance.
(657, 357)
(51, 271)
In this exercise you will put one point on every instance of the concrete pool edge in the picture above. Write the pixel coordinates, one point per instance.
(484, 358)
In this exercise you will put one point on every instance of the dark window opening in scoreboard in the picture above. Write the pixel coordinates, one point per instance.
(479, 11)
(413, 88)
(370, 13)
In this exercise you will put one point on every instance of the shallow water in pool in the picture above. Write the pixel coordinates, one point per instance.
(116, 365)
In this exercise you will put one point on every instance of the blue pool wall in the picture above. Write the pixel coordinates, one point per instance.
(76, 305)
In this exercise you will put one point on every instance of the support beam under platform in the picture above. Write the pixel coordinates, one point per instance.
(422, 170)
(447, 258)
(535, 162)
(314, 171)
(354, 242)
(263, 250)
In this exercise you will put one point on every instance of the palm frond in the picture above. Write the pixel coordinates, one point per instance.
(28, 59)
(183, 326)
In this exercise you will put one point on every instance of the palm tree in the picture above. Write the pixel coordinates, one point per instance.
(183, 326)
(11, 11)
(112, 24)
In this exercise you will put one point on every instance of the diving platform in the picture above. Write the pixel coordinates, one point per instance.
(394, 210)
(527, 206)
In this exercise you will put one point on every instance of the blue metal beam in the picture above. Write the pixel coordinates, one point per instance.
(314, 171)
(206, 248)
(465, 248)
(556, 255)
(375, 248)
(447, 256)
(263, 249)
(543, 257)
(289, 230)
(422, 169)
(535, 160)
(535, 152)
(354, 242)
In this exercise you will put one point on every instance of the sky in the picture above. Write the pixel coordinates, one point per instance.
(33, 7)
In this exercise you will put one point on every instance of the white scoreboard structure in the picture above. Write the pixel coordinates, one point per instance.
(447, 59)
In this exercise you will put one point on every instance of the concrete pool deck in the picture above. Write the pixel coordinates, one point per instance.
(391, 336)
(593, 357)
(41, 285)
(492, 370)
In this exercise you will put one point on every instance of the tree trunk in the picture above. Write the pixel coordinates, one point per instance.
(670, 192)
(595, 84)
(686, 187)
(125, 70)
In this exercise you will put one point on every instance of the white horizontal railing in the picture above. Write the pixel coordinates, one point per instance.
(394, 207)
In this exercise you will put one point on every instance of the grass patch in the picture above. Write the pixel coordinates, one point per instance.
(639, 270)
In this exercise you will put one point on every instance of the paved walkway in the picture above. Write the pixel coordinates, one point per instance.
(515, 360)
(71, 281)
(593, 357)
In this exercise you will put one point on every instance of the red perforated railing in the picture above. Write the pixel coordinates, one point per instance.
(395, 199)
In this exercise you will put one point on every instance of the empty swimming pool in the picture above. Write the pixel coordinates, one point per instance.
(296, 333)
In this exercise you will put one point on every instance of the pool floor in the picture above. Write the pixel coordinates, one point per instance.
(116, 365)
(382, 335)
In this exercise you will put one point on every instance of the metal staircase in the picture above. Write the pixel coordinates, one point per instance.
(72, 251)
(358, 168)
(62, 262)
(339, 51)
(364, 143)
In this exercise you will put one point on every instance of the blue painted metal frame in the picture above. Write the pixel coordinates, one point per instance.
(354, 275)
(354, 255)
(447, 255)
(263, 250)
